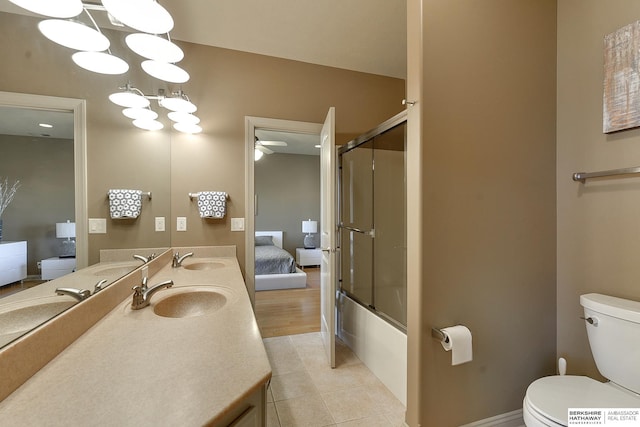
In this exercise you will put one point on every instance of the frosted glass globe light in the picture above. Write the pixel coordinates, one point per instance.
(164, 71)
(154, 47)
(129, 100)
(143, 15)
(182, 117)
(178, 104)
(74, 35)
(100, 62)
(140, 113)
(53, 9)
(187, 128)
(148, 124)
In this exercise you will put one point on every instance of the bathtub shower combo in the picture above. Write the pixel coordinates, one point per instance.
(372, 305)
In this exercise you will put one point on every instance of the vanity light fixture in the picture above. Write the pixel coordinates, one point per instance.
(179, 102)
(54, 9)
(93, 54)
(140, 113)
(187, 127)
(129, 97)
(100, 62)
(164, 71)
(148, 124)
(182, 117)
(143, 15)
(154, 47)
(74, 35)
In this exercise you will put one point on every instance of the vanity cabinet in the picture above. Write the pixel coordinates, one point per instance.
(13, 262)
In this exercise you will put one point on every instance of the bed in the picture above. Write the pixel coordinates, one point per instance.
(275, 268)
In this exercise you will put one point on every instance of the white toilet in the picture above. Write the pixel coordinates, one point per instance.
(613, 328)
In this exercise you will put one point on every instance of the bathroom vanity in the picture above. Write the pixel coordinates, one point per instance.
(193, 356)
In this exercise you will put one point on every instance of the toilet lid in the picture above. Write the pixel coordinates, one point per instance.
(553, 396)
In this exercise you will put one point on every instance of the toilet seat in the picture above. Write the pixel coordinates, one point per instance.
(548, 399)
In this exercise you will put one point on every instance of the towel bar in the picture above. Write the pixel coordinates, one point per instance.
(194, 195)
(144, 193)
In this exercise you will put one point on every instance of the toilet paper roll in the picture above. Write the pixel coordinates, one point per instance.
(459, 343)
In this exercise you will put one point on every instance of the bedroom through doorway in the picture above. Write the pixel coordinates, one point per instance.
(286, 188)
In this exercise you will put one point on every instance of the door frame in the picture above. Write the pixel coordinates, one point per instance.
(79, 109)
(251, 124)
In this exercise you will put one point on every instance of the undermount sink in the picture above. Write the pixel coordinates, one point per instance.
(23, 319)
(191, 302)
(204, 265)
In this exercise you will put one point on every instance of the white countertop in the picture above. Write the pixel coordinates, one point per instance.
(139, 369)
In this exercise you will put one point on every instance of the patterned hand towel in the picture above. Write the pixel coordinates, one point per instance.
(212, 204)
(125, 204)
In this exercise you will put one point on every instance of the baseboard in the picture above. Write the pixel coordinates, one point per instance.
(510, 419)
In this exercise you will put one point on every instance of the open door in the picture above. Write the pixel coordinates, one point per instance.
(328, 236)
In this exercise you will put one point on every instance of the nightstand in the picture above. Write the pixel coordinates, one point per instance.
(55, 267)
(306, 257)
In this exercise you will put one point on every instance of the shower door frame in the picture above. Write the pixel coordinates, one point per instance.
(394, 121)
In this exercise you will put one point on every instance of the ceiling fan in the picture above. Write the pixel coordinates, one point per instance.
(262, 145)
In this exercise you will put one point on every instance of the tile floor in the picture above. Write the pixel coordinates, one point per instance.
(304, 391)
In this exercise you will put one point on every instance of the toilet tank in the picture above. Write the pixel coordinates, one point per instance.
(614, 337)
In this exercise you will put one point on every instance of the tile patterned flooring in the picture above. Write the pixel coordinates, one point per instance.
(304, 391)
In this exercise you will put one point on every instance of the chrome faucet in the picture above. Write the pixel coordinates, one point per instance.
(79, 294)
(177, 259)
(99, 286)
(142, 297)
(145, 259)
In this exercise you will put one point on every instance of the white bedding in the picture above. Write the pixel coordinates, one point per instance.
(266, 282)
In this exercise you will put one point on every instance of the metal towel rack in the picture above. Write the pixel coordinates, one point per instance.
(144, 193)
(194, 195)
(583, 176)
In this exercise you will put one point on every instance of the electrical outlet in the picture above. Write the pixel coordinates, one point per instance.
(39, 263)
(159, 223)
(181, 223)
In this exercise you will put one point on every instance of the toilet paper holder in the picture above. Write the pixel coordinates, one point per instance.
(439, 335)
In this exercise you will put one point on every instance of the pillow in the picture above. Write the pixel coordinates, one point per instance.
(264, 240)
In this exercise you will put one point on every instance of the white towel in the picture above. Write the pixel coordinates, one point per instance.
(212, 204)
(125, 204)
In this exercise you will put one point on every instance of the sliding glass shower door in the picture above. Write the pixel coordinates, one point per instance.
(373, 222)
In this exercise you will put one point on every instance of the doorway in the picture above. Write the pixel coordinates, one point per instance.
(265, 213)
(77, 107)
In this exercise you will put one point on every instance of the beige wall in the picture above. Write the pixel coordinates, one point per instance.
(488, 199)
(227, 86)
(44, 167)
(598, 233)
(288, 190)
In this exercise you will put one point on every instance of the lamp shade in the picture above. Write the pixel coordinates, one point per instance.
(65, 230)
(309, 226)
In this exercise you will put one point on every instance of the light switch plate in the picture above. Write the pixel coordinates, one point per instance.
(97, 226)
(181, 223)
(159, 223)
(237, 224)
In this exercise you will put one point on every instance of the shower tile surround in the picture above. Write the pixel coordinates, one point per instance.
(26, 356)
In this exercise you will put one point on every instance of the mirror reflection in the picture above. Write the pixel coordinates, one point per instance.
(39, 275)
